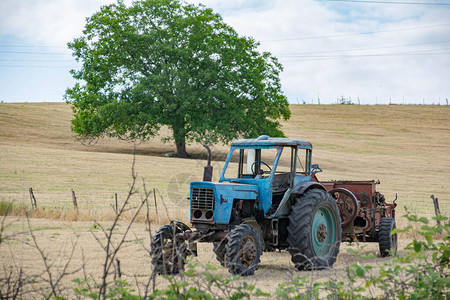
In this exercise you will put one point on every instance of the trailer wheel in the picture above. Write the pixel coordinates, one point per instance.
(243, 250)
(386, 241)
(220, 250)
(314, 231)
(168, 254)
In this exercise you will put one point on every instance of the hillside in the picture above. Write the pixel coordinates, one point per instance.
(405, 147)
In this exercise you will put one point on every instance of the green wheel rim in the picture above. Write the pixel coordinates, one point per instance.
(324, 232)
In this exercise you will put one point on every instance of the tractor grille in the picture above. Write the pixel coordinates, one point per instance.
(202, 198)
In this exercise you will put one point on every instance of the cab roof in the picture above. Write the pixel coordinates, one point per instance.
(266, 140)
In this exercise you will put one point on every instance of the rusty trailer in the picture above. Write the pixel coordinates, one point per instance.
(365, 214)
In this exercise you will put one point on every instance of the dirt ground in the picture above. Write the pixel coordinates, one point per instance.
(74, 248)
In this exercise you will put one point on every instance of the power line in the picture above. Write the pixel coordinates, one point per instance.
(37, 60)
(318, 58)
(27, 52)
(391, 2)
(375, 55)
(301, 58)
(274, 40)
(30, 46)
(416, 52)
(47, 66)
(353, 34)
(363, 49)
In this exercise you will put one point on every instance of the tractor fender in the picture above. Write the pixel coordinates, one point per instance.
(284, 208)
(304, 186)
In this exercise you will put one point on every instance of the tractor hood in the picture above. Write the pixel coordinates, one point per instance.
(213, 201)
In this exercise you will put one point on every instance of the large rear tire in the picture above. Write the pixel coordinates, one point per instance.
(314, 231)
(243, 250)
(168, 254)
(386, 241)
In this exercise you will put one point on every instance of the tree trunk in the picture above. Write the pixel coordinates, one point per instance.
(179, 134)
(181, 149)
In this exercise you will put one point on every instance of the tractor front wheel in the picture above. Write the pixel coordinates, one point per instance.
(314, 230)
(220, 249)
(243, 250)
(386, 241)
(168, 254)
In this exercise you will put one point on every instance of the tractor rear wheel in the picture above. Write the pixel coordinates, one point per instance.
(243, 250)
(386, 241)
(168, 254)
(314, 230)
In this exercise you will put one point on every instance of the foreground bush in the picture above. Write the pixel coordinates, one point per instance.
(421, 273)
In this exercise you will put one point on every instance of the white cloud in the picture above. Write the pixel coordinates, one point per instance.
(47, 22)
(372, 78)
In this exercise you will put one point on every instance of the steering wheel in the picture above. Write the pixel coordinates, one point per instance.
(260, 170)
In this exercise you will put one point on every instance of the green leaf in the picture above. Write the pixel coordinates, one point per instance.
(211, 277)
(398, 230)
(358, 269)
(417, 246)
(211, 267)
(259, 293)
(423, 220)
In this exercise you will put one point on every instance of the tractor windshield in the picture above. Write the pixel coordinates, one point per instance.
(258, 163)
(251, 163)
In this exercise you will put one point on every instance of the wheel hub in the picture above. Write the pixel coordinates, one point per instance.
(248, 252)
(321, 233)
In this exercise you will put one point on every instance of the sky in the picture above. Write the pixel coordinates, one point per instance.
(363, 51)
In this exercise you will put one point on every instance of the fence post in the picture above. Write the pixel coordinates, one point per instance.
(116, 207)
(33, 199)
(117, 271)
(74, 200)
(436, 208)
(154, 197)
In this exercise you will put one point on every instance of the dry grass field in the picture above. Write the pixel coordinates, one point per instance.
(407, 148)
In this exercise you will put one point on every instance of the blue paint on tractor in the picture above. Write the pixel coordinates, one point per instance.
(265, 141)
(224, 194)
(264, 184)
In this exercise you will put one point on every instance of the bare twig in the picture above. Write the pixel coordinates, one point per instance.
(110, 247)
(52, 279)
(164, 204)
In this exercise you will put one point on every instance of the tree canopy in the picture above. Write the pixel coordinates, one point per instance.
(165, 62)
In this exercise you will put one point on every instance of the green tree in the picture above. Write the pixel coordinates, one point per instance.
(165, 62)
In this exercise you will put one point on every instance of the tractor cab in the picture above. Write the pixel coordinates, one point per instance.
(258, 178)
(274, 165)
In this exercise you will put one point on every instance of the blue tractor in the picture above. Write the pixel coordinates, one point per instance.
(266, 199)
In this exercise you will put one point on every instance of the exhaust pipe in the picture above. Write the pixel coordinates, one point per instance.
(208, 171)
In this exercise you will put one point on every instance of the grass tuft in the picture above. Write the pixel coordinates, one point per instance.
(9, 207)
